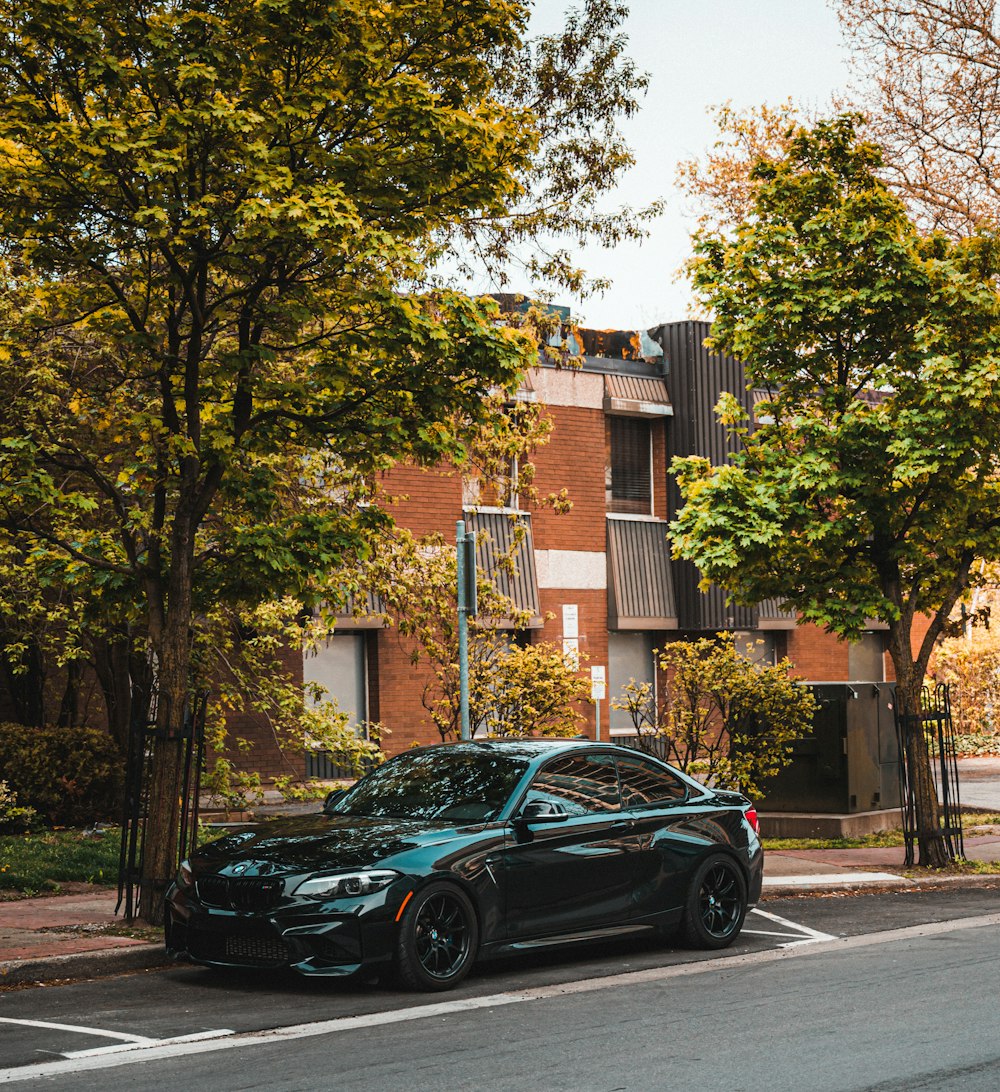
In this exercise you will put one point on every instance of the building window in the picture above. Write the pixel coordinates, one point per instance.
(866, 658)
(630, 656)
(340, 666)
(628, 479)
(757, 646)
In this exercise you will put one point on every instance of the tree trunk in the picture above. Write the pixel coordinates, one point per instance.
(124, 676)
(932, 849)
(171, 640)
(159, 853)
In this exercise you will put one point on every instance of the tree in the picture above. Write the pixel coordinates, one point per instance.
(719, 186)
(868, 483)
(928, 73)
(721, 717)
(221, 219)
(514, 689)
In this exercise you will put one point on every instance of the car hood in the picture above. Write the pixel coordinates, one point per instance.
(316, 842)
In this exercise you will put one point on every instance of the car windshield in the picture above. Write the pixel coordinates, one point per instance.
(459, 786)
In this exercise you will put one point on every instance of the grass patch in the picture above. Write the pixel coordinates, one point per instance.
(882, 839)
(33, 863)
(959, 867)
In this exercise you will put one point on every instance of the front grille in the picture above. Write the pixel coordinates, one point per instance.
(242, 950)
(243, 893)
(256, 950)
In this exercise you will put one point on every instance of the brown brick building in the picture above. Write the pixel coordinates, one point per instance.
(599, 578)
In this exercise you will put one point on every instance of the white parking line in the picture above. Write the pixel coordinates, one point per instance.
(144, 1040)
(194, 1037)
(270, 1036)
(811, 935)
(126, 1041)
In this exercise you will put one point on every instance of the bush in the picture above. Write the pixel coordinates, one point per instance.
(70, 776)
(13, 818)
(720, 717)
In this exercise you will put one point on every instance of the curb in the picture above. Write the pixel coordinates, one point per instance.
(901, 883)
(100, 963)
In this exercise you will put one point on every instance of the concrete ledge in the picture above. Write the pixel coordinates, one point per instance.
(795, 824)
(96, 964)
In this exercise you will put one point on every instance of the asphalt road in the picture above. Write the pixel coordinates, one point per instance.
(872, 991)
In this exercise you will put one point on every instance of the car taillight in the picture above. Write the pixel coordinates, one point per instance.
(751, 817)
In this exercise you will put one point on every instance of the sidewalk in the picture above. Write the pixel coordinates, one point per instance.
(62, 937)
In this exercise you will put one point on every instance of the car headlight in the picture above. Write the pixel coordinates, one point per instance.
(185, 876)
(346, 884)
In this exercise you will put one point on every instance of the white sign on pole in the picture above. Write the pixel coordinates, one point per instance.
(571, 620)
(598, 683)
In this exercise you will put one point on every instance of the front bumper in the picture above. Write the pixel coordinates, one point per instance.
(312, 943)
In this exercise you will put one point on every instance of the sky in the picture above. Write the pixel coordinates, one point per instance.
(698, 53)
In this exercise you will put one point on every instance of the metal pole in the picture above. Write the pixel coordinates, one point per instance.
(597, 708)
(463, 631)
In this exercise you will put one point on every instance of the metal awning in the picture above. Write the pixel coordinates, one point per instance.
(366, 610)
(771, 615)
(498, 537)
(640, 585)
(637, 396)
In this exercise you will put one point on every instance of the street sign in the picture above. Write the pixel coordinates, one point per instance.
(598, 683)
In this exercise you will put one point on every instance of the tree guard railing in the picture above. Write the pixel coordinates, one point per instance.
(191, 748)
(937, 735)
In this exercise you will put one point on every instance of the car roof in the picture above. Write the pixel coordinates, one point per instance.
(525, 748)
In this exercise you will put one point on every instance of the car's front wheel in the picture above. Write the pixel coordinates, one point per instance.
(438, 938)
(716, 904)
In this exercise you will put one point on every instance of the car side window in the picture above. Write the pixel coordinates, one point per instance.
(646, 785)
(582, 784)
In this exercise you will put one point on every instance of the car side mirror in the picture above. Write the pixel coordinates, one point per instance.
(543, 811)
(331, 799)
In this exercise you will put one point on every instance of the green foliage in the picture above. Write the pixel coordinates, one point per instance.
(846, 504)
(13, 819)
(722, 717)
(244, 655)
(971, 665)
(222, 225)
(513, 690)
(32, 863)
(529, 690)
(70, 776)
(871, 480)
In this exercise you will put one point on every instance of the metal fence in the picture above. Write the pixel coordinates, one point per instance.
(937, 737)
(143, 740)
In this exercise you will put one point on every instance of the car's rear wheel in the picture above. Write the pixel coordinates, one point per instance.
(716, 904)
(438, 938)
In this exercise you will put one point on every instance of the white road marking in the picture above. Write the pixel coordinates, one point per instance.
(194, 1037)
(812, 936)
(144, 1040)
(273, 1036)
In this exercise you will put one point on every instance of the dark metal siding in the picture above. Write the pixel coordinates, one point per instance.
(771, 616)
(495, 532)
(640, 588)
(697, 377)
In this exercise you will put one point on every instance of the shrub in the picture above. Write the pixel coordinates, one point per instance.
(971, 665)
(70, 776)
(720, 717)
(13, 819)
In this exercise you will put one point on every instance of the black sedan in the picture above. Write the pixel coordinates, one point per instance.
(447, 853)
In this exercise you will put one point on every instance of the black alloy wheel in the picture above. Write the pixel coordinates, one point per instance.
(716, 904)
(438, 937)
